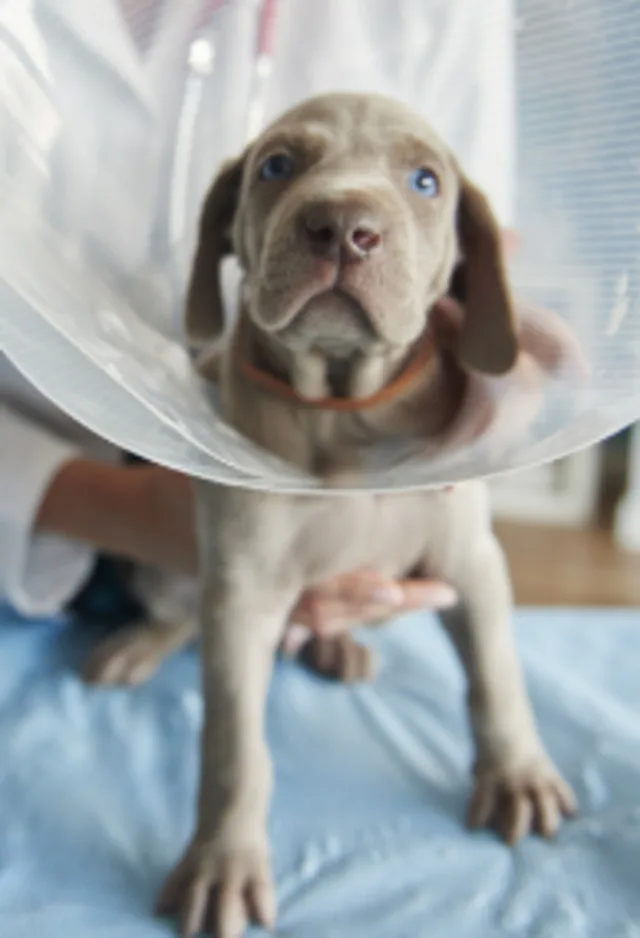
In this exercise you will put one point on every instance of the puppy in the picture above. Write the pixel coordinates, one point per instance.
(350, 220)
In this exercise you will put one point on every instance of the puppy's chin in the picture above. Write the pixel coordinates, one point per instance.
(332, 324)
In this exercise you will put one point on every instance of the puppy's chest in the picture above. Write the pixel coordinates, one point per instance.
(393, 534)
(326, 443)
(362, 442)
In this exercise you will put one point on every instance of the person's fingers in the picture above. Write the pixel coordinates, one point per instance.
(327, 616)
(543, 333)
(427, 594)
(511, 242)
(359, 587)
(552, 342)
(330, 615)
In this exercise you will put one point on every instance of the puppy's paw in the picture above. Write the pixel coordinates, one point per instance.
(128, 657)
(220, 891)
(339, 658)
(520, 798)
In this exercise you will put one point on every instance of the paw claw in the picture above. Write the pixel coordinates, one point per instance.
(516, 818)
(220, 890)
(517, 800)
(481, 806)
(261, 899)
(130, 657)
(194, 909)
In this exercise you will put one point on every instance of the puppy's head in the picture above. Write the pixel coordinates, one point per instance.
(350, 219)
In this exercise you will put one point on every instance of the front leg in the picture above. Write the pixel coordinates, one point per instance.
(224, 880)
(517, 787)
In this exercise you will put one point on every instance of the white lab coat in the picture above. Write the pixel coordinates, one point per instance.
(452, 59)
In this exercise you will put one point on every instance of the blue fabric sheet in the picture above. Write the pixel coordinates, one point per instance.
(97, 791)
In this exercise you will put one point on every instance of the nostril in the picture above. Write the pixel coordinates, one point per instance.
(365, 240)
(323, 235)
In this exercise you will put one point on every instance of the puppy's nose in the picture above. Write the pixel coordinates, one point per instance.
(333, 231)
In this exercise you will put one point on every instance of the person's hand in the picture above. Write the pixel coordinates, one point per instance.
(364, 597)
(510, 242)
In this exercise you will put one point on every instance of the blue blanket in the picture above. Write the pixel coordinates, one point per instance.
(97, 791)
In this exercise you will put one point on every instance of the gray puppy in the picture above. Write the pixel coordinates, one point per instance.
(350, 219)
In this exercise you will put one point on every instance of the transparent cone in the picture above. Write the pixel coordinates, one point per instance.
(112, 124)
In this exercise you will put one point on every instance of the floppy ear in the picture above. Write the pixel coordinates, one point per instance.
(487, 340)
(204, 313)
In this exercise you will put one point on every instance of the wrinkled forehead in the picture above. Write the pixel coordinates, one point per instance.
(358, 125)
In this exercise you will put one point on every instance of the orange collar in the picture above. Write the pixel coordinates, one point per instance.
(411, 375)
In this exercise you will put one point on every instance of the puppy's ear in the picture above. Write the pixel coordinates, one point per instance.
(487, 341)
(204, 312)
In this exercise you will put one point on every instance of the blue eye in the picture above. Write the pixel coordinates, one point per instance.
(278, 166)
(425, 182)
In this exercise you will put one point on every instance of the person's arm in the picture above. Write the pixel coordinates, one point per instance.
(142, 513)
(38, 573)
(57, 508)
